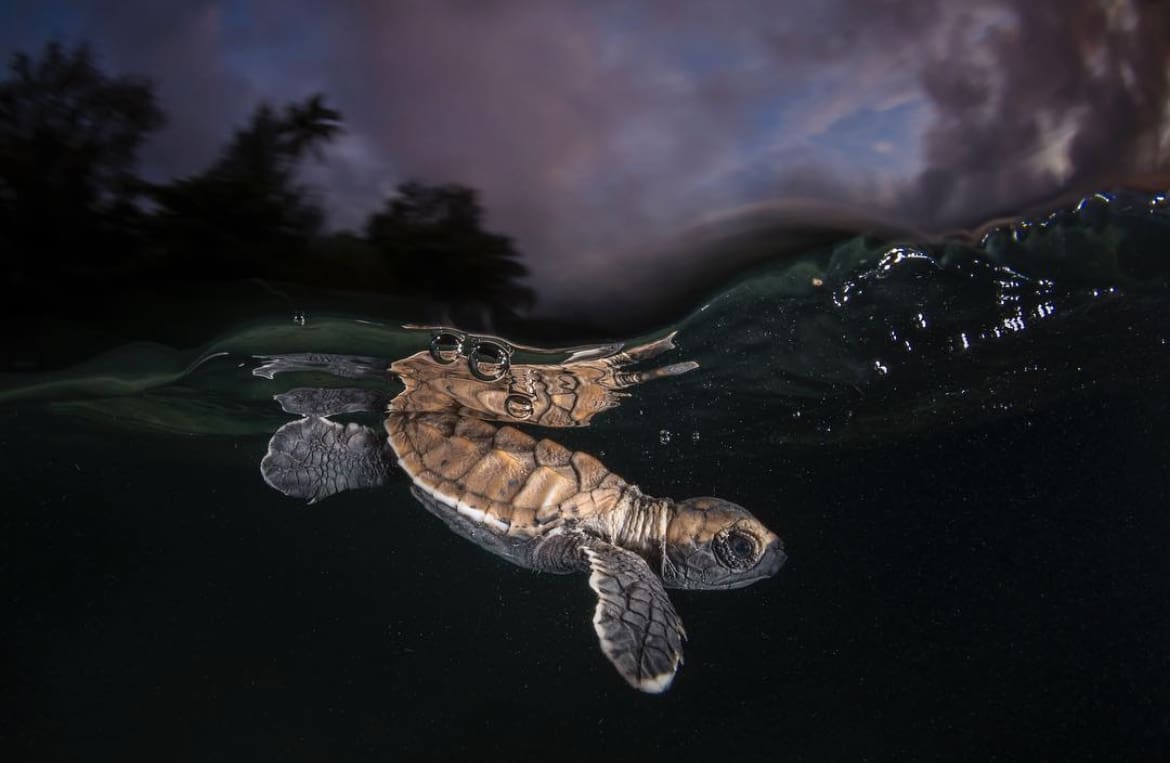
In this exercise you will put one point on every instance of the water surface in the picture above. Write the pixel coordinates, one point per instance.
(963, 444)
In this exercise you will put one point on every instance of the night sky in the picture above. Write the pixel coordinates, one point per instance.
(596, 130)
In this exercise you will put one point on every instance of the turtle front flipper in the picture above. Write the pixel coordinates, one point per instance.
(640, 632)
(314, 458)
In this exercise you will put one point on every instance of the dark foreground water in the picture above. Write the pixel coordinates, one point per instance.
(965, 449)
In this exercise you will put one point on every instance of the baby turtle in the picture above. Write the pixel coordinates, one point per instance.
(532, 501)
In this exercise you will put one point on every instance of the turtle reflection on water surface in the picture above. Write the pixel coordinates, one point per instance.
(531, 501)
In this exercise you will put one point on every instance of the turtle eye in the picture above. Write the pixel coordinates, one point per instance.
(736, 549)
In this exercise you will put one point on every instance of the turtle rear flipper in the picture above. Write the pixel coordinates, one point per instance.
(314, 458)
(640, 632)
(330, 401)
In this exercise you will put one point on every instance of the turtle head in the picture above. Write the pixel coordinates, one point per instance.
(712, 543)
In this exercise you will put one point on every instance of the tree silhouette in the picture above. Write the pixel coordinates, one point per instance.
(307, 126)
(247, 211)
(432, 238)
(69, 138)
(71, 220)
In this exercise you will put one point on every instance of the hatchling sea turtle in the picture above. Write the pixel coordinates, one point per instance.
(531, 501)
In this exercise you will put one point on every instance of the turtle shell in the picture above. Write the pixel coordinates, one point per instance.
(502, 478)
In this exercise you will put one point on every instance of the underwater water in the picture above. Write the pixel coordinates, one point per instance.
(963, 445)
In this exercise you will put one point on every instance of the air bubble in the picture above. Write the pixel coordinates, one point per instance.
(664, 437)
(518, 406)
(299, 318)
(1094, 210)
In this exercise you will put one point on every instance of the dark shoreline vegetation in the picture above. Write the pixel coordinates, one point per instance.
(84, 236)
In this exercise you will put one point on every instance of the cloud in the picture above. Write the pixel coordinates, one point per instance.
(595, 130)
(181, 46)
(1048, 97)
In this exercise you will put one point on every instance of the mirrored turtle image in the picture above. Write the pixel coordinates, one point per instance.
(454, 431)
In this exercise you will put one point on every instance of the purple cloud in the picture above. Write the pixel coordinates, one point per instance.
(598, 131)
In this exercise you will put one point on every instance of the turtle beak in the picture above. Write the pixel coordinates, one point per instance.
(775, 557)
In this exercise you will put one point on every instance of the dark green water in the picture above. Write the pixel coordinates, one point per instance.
(965, 449)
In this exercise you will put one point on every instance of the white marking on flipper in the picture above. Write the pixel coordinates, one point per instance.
(618, 654)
